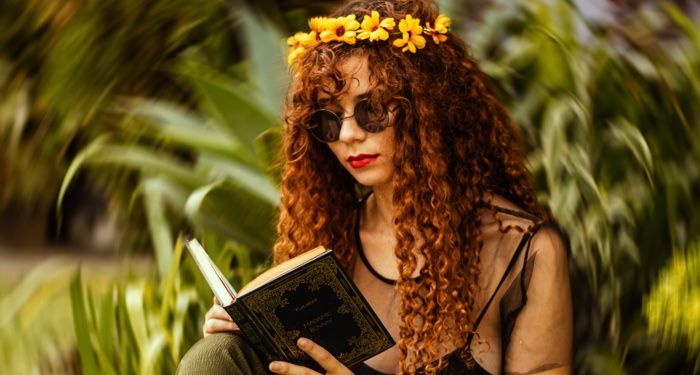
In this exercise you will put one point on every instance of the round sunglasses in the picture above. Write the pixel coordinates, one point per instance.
(325, 124)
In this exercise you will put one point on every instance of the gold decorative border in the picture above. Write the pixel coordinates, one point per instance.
(265, 302)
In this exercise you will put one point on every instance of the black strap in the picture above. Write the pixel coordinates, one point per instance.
(361, 250)
(363, 257)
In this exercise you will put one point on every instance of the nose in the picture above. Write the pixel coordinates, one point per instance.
(350, 131)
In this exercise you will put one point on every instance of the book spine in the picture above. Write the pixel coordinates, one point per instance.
(253, 331)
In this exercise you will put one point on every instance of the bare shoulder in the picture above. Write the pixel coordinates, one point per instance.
(548, 241)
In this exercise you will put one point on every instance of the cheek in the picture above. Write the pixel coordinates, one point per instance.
(335, 149)
(388, 142)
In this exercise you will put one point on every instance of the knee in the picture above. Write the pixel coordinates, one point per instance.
(221, 353)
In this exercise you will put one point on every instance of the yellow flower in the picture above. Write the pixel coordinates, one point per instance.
(316, 24)
(411, 35)
(373, 29)
(298, 44)
(341, 29)
(442, 22)
(294, 54)
(307, 40)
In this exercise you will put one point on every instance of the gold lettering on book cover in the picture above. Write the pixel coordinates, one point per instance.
(323, 273)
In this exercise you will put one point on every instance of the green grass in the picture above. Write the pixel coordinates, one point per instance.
(37, 333)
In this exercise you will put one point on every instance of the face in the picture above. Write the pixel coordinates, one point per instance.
(367, 156)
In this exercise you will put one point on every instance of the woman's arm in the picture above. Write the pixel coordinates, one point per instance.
(541, 340)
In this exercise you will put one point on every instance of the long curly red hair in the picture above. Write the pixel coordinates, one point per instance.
(454, 142)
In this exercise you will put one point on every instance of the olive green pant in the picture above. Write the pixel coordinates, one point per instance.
(222, 353)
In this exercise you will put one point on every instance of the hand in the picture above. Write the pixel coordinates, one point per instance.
(218, 320)
(320, 355)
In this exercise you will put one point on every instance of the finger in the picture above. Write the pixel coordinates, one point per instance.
(216, 301)
(216, 326)
(208, 313)
(322, 357)
(279, 367)
(212, 326)
(217, 312)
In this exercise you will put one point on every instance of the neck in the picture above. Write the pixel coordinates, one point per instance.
(383, 204)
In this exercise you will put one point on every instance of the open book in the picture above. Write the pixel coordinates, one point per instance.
(310, 296)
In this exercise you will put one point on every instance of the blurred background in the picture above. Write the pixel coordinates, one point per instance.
(122, 123)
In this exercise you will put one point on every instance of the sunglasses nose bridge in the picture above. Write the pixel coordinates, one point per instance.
(343, 118)
(349, 129)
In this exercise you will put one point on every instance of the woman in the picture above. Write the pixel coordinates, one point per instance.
(400, 158)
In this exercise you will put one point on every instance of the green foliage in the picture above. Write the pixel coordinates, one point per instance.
(35, 322)
(143, 325)
(36, 325)
(62, 66)
(136, 327)
(217, 168)
(673, 305)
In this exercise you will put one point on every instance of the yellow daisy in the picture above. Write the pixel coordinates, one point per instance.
(373, 29)
(340, 29)
(316, 24)
(411, 38)
(442, 22)
(298, 44)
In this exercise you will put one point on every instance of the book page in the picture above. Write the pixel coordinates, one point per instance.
(222, 289)
(281, 268)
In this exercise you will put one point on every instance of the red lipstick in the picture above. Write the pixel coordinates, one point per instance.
(361, 160)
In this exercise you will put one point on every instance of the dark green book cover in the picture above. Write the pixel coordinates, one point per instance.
(316, 300)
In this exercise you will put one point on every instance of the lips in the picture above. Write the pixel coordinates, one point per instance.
(361, 160)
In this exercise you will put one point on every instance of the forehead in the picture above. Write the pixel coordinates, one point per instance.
(354, 75)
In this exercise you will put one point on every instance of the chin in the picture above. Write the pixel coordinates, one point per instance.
(371, 178)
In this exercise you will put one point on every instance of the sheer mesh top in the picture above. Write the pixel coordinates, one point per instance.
(523, 320)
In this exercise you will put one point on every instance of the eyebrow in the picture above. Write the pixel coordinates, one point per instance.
(330, 100)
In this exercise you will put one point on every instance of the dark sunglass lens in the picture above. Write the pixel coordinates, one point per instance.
(324, 125)
(372, 117)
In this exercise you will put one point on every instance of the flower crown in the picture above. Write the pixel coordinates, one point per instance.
(347, 30)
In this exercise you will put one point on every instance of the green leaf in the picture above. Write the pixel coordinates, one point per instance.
(107, 333)
(81, 322)
(168, 282)
(134, 297)
(265, 49)
(36, 290)
(235, 111)
(173, 123)
(632, 137)
(128, 156)
(253, 181)
(154, 191)
(685, 23)
(153, 353)
(230, 209)
(180, 320)
(553, 137)
(270, 146)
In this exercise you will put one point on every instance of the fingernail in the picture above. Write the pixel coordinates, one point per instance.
(275, 366)
(303, 343)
